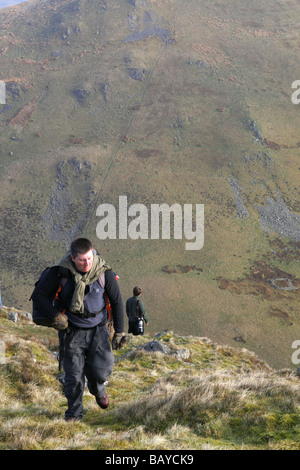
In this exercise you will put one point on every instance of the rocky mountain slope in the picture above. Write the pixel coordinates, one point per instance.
(167, 392)
(161, 101)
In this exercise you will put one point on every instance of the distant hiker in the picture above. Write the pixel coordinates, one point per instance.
(86, 345)
(136, 313)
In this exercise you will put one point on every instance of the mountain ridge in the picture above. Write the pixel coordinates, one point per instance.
(162, 104)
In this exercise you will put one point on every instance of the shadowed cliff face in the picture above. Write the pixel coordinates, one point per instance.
(162, 103)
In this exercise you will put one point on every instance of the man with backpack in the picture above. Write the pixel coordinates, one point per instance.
(72, 296)
(136, 313)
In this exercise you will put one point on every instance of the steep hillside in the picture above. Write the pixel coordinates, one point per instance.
(161, 101)
(167, 392)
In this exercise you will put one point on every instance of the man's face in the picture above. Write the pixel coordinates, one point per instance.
(84, 262)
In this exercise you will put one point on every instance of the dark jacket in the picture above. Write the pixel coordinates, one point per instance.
(131, 309)
(47, 288)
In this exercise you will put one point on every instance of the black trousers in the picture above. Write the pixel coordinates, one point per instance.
(87, 353)
(133, 327)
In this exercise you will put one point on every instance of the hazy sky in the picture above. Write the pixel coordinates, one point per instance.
(6, 3)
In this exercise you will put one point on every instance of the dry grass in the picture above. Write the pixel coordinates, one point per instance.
(249, 408)
(222, 398)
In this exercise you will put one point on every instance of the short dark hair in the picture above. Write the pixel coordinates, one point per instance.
(80, 246)
(137, 291)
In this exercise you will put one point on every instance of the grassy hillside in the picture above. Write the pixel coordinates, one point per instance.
(216, 397)
(163, 102)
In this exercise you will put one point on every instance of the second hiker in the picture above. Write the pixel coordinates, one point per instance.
(136, 312)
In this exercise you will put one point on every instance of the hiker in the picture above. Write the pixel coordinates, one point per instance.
(135, 311)
(82, 327)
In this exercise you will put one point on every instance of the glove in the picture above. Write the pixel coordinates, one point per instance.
(120, 340)
(60, 321)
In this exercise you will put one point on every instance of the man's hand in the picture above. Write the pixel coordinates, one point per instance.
(120, 340)
(60, 321)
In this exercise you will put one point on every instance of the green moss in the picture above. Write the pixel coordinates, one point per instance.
(223, 398)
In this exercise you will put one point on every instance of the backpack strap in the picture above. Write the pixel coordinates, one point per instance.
(102, 280)
(62, 283)
(138, 308)
(108, 305)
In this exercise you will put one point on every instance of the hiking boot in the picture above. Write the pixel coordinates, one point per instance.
(103, 401)
(71, 418)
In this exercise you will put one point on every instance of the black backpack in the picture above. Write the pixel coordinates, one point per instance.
(38, 317)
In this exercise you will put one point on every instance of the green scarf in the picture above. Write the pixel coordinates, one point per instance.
(99, 266)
